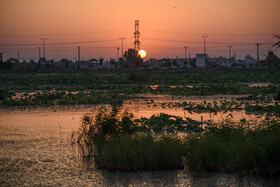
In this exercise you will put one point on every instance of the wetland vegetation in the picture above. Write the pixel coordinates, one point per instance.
(119, 142)
(164, 141)
(115, 86)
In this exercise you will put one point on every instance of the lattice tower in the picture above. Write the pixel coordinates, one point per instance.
(137, 36)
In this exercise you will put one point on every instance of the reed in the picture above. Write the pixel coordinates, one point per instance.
(121, 143)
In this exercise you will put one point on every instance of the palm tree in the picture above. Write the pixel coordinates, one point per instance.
(277, 44)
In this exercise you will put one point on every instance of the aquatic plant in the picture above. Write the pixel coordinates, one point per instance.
(141, 152)
(237, 149)
(107, 83)
(221, 147)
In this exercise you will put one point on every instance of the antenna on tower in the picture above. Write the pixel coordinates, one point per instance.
(137, 36)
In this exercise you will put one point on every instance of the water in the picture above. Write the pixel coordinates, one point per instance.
(35, 149)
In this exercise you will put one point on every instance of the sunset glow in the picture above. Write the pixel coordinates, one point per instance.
(142, 53)
(166, 26)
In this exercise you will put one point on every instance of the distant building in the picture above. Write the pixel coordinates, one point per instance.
(1, 57)
(200, 60)
(249, 61)
(181, 62)
(93, 63)
(82, 65)
(154, 63)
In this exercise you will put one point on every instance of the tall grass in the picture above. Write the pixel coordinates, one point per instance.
(119, 143)
(141, 152)
(236, 149)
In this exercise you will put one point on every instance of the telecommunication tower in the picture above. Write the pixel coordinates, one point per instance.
(137, 36)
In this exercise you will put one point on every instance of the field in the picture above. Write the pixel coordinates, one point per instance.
(164, 141)
(113, 87)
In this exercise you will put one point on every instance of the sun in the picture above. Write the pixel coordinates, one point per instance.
(142, 53)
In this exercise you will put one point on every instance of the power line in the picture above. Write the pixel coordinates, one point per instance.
(210, 34)
(151, 39)
(61, 48)
(196, 42)
(63, 43)
(60, 34)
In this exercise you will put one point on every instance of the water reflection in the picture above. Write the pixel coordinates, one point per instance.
(35, 149)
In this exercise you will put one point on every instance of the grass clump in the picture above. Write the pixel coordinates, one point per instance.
(237, 149)
(120, 143)
(141, 152)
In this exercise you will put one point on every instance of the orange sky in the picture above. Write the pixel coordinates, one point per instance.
(166, 26)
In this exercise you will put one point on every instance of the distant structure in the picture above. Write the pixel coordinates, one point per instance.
(200, 60)
(44, 52)
(1, 57)
(258, 59)
(137, 36)
(79, 53)
(132, 57)
(249, 61)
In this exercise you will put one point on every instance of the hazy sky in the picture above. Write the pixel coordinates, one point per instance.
(166, 26)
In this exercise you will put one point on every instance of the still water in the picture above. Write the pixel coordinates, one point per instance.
(35, 149)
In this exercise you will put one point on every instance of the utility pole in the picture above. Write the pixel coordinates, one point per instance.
(18, 55)
(79, 53)
(44, 54)
(39, 52)
(229, 51)
(118, 53)
(257, 44)
(186, 47)
(122, 45)
(204, 45)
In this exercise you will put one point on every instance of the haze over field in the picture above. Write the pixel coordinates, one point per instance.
(166, 26)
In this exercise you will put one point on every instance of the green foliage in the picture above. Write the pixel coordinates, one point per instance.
(168, 123)
(139, 76)
(141, 152)
(234, 149)
(112, 86)
(105, 125)
(6, 94)
(63, 98)
(222, 147)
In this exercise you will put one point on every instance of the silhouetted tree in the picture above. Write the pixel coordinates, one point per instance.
(113, 62)
(193, 62)
(277, 44)
(271, 59)
(101, 60)
(31, 62)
